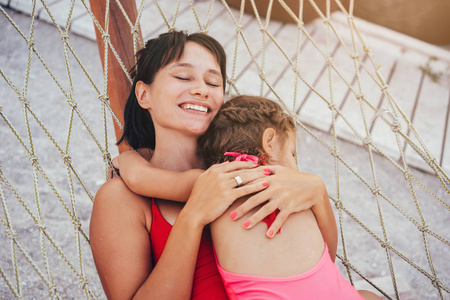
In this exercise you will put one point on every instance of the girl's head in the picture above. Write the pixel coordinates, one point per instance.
(157, 75)
(251, 125)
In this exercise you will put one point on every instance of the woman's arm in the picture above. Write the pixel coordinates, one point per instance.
(143, 179)
(120, 243)
(290, 191)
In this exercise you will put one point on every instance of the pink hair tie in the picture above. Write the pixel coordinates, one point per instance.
(242, 157)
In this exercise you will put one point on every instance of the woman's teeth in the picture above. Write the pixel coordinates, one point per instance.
(195, 107)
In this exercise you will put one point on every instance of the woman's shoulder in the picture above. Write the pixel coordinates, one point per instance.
(115, 198)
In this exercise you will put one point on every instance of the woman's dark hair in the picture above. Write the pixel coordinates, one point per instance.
(139, 130)
(239, 126)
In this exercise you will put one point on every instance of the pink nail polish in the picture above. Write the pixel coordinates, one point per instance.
(246, 223)
(265, 183)
(233, 215)
(270, 233)
(267, 170)
(266, 173)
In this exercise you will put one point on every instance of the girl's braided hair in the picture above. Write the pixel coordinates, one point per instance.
(239, 127)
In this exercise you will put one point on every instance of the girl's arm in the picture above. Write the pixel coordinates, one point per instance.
(143, 179)
(327, 223)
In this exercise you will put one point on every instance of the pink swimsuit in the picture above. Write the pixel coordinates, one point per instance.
(322, 282)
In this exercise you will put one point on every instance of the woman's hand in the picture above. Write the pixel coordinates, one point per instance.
(216, 189)
(289, 190)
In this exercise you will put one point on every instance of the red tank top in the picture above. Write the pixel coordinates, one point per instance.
(207, 282)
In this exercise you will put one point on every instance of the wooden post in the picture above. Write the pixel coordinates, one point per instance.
(122, 40)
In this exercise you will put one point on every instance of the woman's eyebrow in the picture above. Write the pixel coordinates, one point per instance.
(188, 65)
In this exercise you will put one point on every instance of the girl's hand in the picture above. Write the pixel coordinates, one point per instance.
(289, 190)
(216, 189)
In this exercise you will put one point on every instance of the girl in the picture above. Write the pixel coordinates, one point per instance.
(299, 262)
(159, 249)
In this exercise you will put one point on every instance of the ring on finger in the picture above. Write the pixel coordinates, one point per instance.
(238, 181)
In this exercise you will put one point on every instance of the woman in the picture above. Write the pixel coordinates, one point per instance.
(178, 87)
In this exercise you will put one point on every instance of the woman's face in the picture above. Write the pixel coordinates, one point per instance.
(186, 94)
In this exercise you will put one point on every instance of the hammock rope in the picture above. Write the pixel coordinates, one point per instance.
(362, 63)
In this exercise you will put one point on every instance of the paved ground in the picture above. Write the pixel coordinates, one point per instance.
(50, 106)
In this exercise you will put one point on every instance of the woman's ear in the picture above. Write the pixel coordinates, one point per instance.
(268, 141)
(142, 91)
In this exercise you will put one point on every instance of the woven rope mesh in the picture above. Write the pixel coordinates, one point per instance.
(390, 192)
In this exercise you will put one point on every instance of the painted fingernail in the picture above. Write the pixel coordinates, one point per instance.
(265, 183)
(233, 215)
(270, 233)
(246, 223)
(266, 173)
(267, 170)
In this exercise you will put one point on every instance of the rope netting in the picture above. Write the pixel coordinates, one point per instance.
(392, 218)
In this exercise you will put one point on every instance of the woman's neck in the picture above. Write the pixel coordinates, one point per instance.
(175, 152)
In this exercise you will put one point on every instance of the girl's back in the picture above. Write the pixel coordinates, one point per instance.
(295, 250)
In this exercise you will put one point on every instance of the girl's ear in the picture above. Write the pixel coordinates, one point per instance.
(142, 91)
(268, 141)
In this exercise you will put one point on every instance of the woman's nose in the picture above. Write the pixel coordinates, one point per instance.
(200, 89)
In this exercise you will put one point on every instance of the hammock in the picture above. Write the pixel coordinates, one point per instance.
(391, 192)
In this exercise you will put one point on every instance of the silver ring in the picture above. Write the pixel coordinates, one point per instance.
(238, 180)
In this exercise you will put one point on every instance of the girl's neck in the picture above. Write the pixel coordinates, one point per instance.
(176, 152)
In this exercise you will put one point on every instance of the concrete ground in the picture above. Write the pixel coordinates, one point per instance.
(50, 106)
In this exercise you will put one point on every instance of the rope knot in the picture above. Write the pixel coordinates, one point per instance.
(366, 49)
(230, 81)
(40, 225)
(106, 157)
(31, 43)
(103, 98)
(350, 18)
(67, 159)
(332, 106)
(72, 102)
(396, 126)
(11, 234)
(135, 30)
(263, 29)
(335, 153)
(64, 37)
(24, 100)
(423, 228)
(375, 190)
(359, 96)
(326, 21)
(205, 31)
(386, 244)
(76, 222)
(171, 29)
(83, 282)
(339, 204)
(53, 290)
(436, 282)
(106, 37)
(407, 174)
(367, 141)
(239, 28)
(329, 60)
(33, 160)
(355, 55)
(345, 262)
(384, 87)
(262, 76)
(300, 24)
